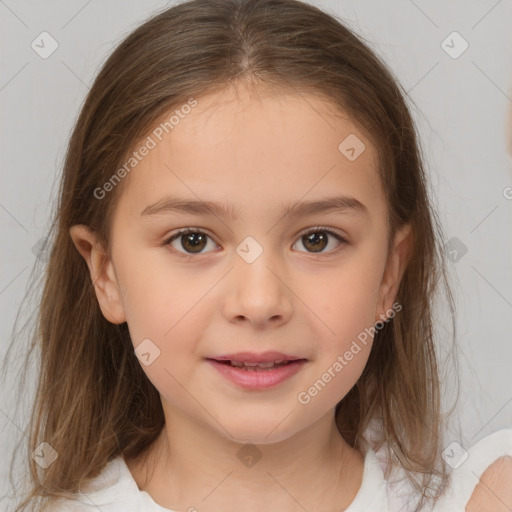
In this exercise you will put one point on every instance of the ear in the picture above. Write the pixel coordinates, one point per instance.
(102, 273)
(395, 268)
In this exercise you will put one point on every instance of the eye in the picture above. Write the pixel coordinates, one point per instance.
(193, 241)
(316, 239)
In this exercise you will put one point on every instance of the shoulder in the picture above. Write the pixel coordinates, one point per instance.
(112, 490)
(480, 479)
(494, 490)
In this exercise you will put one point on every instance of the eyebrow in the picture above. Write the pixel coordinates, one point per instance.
(341, 204)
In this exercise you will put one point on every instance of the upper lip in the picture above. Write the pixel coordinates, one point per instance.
(254, 357)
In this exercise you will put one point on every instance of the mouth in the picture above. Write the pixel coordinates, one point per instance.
(257, 371)
(257, 361)
(262, 366)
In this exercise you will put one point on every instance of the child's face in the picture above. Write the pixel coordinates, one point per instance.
(256, 154)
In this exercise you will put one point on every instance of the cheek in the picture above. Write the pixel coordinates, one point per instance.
(165, 321)
(155, 296)
(346, 299)
(166, 306)
(335, 374)
(144, 304)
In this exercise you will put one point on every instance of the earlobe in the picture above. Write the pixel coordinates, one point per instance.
(395, 268)
(102, 273)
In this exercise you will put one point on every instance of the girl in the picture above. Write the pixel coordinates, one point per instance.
(238, 306)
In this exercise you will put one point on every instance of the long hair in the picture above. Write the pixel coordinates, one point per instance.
(93, 401)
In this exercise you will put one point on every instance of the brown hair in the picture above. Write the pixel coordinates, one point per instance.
(93, 400)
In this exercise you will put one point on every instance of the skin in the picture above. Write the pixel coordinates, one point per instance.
(494, 490)
(258, 151)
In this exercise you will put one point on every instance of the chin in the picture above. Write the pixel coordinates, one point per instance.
(261, 433)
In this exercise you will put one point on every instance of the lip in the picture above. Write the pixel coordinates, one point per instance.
(258, 379)
(254, 357)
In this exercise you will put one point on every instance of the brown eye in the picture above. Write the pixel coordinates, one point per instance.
(189, 241)
(317, 239)
(193, 242)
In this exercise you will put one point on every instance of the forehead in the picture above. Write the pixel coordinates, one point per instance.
(255, 149)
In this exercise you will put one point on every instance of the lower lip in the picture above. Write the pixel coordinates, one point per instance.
(258, 379)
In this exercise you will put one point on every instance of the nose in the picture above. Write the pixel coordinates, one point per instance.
(257, 292)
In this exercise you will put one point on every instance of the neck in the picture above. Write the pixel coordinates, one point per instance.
(190, 466)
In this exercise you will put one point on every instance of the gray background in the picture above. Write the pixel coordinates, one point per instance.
(461, 108)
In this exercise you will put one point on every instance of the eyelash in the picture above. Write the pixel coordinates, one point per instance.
(316, 229)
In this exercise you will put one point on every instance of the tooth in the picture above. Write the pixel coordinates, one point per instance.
(269, 364)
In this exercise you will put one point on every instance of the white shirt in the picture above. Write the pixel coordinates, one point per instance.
(115, 489)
